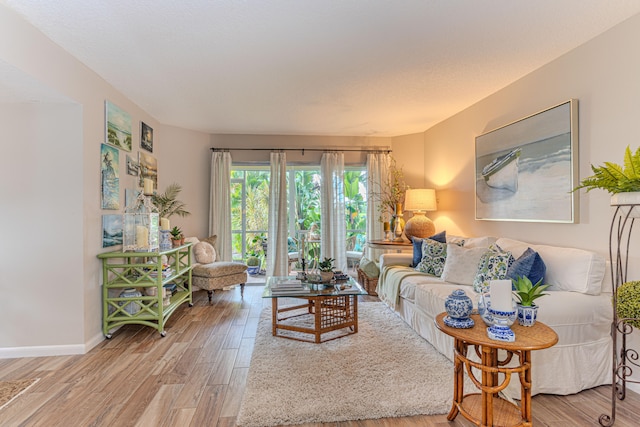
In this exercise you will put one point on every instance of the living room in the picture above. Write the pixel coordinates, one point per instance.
(52, 283)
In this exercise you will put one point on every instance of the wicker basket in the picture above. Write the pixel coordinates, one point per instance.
(368, 283)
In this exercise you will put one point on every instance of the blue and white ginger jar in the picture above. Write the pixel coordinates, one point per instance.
(458, 307)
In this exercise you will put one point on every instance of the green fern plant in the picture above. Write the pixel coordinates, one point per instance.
(614, 178)
(526, 292)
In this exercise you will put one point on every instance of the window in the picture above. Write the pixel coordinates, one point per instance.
(250, 207)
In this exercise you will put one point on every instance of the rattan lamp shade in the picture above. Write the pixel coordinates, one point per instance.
(419, 201)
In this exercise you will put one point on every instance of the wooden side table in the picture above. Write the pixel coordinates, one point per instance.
(486, 408)
(390, 245)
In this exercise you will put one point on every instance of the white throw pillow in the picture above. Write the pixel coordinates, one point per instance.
(204, 253)
(461, 264)
(472, 242)
(568, 269)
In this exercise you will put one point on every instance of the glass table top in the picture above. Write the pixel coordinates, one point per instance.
(289, 286)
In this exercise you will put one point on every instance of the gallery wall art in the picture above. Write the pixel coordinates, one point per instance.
(118, 126)
(133, 167)
(148, 168)
(146, 137)
(111, 230)
(526, 170)
(109, 177)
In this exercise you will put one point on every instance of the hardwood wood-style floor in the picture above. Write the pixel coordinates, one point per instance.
(195, 376)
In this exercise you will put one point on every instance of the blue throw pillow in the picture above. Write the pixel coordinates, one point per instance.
(530, 265)
(417, 246)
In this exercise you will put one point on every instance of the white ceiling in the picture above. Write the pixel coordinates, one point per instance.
(316, 67)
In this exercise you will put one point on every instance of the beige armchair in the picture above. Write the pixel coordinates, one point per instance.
(211, 275)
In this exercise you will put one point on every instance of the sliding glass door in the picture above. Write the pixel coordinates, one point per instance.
(250, 205)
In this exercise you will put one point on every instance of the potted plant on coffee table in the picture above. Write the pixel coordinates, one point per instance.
(326, 269)
(527, 293)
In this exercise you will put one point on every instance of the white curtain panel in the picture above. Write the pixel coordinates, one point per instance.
(220, 204)
(377, 172)
(277, 254)
(333, 227)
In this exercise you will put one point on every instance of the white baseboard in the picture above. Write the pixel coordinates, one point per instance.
(634, 387)
(40, 351)
(53, 350)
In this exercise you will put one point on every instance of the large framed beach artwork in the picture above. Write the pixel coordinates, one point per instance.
(526, 170)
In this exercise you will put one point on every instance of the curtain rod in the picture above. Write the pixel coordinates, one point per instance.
(366, 150)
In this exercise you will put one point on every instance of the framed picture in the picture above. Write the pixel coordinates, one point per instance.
(146, 137)
(111, 230)
(132, 166)
(118, 126)
(130, 196)
(526, 170)
(148, 168)
(109, 177)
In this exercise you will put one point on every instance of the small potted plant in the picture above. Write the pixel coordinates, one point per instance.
(527, 293)
(253, 264)
(326, 269)
(177, 239)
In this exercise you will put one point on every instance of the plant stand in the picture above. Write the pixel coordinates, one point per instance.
(623, 359)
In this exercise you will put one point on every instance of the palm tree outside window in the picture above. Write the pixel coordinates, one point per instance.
(250, 202)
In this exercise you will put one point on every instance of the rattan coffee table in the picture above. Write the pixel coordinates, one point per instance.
(327, 312)
(486, 408)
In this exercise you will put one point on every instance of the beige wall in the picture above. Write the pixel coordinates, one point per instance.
(601, 74)
(51, 216)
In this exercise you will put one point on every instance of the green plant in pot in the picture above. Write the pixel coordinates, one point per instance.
(526, 293)
(615, 178)
(326, 269)
(621, 181)
(168, 203)
(177, 238)
(253, 262)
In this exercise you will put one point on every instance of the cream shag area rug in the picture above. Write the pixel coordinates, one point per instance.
(385, 370)
(9, 390)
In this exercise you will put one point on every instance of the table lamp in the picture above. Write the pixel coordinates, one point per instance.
(419, 201)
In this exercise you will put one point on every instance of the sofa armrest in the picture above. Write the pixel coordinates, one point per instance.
(404, 259)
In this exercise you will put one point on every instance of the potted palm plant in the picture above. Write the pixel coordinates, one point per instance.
(168, 203)
(527, 293)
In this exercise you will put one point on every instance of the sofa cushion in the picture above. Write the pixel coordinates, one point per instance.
(369, 267)
(204, 253)
(461, 265)
(417, 246)
(472, 242)
(211, 240)
(434, 255)
(219, 269)
(568, 269)
(493, 265)
(529, 265)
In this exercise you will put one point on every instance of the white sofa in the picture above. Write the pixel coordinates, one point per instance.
(576, 308)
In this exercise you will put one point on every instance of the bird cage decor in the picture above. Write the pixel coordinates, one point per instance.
(141, 226)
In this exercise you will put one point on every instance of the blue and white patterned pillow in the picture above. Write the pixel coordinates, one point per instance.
(417, 245)
(494, 265)
(434, 255)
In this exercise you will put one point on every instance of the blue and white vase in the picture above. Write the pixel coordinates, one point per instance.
(458, 307)
(527, 315)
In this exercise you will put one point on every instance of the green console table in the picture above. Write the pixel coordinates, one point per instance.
(137, 288)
